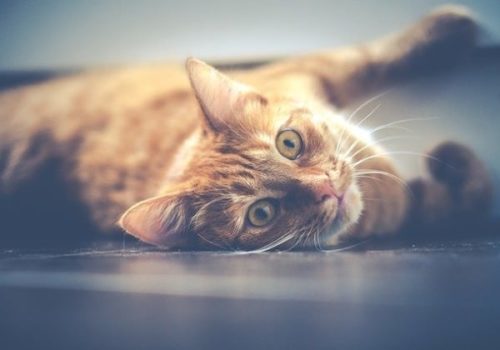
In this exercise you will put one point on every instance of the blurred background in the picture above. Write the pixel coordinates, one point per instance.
(68, 34)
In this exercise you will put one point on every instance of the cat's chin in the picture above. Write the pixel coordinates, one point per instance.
(353, 204)
(347, 214)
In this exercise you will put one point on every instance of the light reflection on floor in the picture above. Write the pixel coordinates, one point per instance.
(429, 293)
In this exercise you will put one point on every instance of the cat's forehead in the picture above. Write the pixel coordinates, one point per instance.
(260, 128)
(293, 113)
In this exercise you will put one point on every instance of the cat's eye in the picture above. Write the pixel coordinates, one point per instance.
(262, 212)
(289, 144)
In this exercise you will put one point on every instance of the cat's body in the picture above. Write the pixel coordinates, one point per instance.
(123, 136)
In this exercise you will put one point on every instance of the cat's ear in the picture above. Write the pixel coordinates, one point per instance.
(221, 98)
(162, 221)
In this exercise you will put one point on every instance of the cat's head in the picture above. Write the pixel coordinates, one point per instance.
(264, 172)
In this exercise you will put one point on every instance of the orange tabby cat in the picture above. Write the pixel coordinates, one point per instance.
(250, 160)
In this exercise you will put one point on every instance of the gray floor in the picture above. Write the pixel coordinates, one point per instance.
(440, 295)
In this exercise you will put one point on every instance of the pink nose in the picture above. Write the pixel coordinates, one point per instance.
(324, 191)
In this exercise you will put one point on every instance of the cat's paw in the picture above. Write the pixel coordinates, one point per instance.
(451, 163)
(449, 27)
(439, 40)
(464, 174)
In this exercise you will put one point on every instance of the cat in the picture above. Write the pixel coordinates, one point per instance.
(241, 160)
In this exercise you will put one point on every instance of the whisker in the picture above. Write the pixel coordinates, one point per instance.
(273, 244)
(225, 247)
(353, 113)
(307, 235)
(387, 126)
(336, 250)
(372, 112)
(368, 177)
(316, 235)
(366, 174)
(320, 244)
(299, 238)
(384, 173)
(373, 143)
(393, 125)
(395, 153)
(401, 121)
(312, 235)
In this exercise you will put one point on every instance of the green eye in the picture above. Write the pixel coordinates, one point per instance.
(289, 144)
(262, 212)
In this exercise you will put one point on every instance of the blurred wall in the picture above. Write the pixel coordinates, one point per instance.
(62, 33)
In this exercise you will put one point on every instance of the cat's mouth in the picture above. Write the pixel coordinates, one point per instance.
(338, 202)
(342, 211)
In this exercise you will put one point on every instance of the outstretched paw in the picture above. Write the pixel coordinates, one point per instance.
(464, 174)
(441, 38)
(451, 26)
(452, 163)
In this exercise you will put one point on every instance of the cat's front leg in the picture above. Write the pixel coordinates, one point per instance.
(437, 41)
(440, 39)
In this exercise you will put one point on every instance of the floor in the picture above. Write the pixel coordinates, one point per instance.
(127, 295)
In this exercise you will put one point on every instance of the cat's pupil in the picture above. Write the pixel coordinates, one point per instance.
(261, 214)
(289, 143)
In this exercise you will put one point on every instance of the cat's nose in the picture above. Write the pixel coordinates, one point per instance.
(325, 190)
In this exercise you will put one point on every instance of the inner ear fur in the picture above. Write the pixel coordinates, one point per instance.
(221, 98)
(163, 221)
